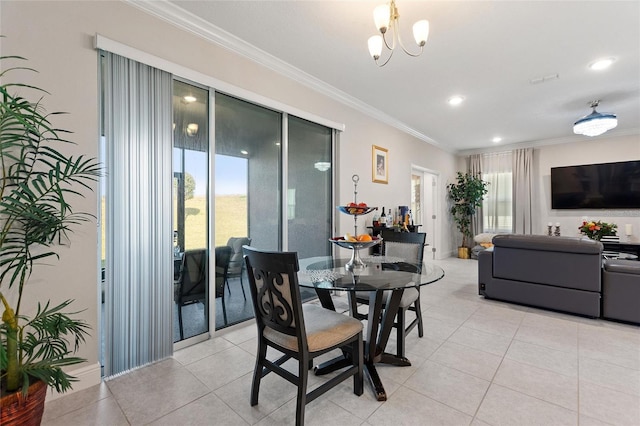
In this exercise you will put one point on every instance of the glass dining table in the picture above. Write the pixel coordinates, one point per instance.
(327, 274)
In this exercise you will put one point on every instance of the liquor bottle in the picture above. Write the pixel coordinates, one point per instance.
(390, 219)
(383, 219)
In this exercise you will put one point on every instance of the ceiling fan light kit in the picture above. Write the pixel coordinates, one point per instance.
(595, 123)
(387, 20)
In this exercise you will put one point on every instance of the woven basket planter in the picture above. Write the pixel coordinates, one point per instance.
(16, 410)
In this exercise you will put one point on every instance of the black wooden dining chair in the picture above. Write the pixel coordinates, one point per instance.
(301, 332)
(410, 247)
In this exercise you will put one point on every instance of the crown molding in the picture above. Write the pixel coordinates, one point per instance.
(546, 142)
(194, 24)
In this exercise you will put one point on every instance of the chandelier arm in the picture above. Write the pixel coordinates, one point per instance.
(394, 30)
(384, 38)
(402, 44)
(385, 62)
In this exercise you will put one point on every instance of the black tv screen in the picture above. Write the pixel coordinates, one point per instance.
(596, 186)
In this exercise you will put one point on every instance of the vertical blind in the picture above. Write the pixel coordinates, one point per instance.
(137, 126)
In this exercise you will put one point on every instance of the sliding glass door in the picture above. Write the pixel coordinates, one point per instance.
(190, 210)
(272, 175)
(309, 196)
(248, 170)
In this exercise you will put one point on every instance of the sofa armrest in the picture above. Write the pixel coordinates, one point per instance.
(485, 269)
(621, 290)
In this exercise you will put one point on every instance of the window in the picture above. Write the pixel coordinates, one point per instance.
(497, 207)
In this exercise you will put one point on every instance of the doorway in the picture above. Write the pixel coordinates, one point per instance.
(424, 206)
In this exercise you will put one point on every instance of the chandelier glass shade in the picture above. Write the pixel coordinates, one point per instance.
(595, 123)
(387, 22)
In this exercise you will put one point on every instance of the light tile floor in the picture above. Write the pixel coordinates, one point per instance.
(480, 362)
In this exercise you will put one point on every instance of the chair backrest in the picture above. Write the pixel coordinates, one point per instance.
(235, 263)
(407, 245)
(193, 276)
(273, 280)
(223, 255)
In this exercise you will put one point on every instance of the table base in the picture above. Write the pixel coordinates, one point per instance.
(369, 367)
(379, 324)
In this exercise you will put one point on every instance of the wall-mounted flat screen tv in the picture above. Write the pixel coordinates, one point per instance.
(596, 186)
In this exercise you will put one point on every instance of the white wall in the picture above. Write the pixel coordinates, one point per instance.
(57, 38)
(602, 149)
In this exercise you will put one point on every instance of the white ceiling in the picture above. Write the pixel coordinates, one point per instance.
(487, 51)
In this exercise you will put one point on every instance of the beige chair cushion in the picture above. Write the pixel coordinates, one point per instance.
(409, 296)
(325, 328)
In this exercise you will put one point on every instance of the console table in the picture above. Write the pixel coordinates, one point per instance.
(633, 248)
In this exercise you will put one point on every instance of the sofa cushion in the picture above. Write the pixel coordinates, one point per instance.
(549, 243)
(622, 266)
(484, 238)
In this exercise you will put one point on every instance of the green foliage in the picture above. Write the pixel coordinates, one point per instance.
(38, 183)
(466, 194)
(189, 186)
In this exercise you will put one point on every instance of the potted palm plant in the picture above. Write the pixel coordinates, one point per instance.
(37, 184)
(466, 194)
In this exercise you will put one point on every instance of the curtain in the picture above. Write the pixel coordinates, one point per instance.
(497, 206)
(522, 191)
(475, 168)
(137, 126)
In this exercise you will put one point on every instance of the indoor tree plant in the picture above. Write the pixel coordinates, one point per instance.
(38, 182)
(466, 194)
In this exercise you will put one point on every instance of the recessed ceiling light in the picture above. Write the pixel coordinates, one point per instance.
(244, 152)
(455, 100)
(323, 166)
(190, 98)
(497, 139)
(601, 64)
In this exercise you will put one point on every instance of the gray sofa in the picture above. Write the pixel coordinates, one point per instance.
(559, 273)
(621, 290)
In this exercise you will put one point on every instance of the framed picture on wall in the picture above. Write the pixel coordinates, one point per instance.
(380, 164)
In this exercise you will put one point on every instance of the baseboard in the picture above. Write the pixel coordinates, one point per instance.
(87, 376)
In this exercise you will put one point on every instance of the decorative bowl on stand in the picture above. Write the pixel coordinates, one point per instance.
(355, 210)
(355, 262)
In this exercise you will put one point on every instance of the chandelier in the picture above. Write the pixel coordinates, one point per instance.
(595, 123)
(387, 21)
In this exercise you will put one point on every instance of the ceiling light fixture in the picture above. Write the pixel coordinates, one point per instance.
(595, 123)
(497, 139)
(387, 20)
(455, 100)
(323, 166)
(244, 152)
(192, 129)
(601, 64)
